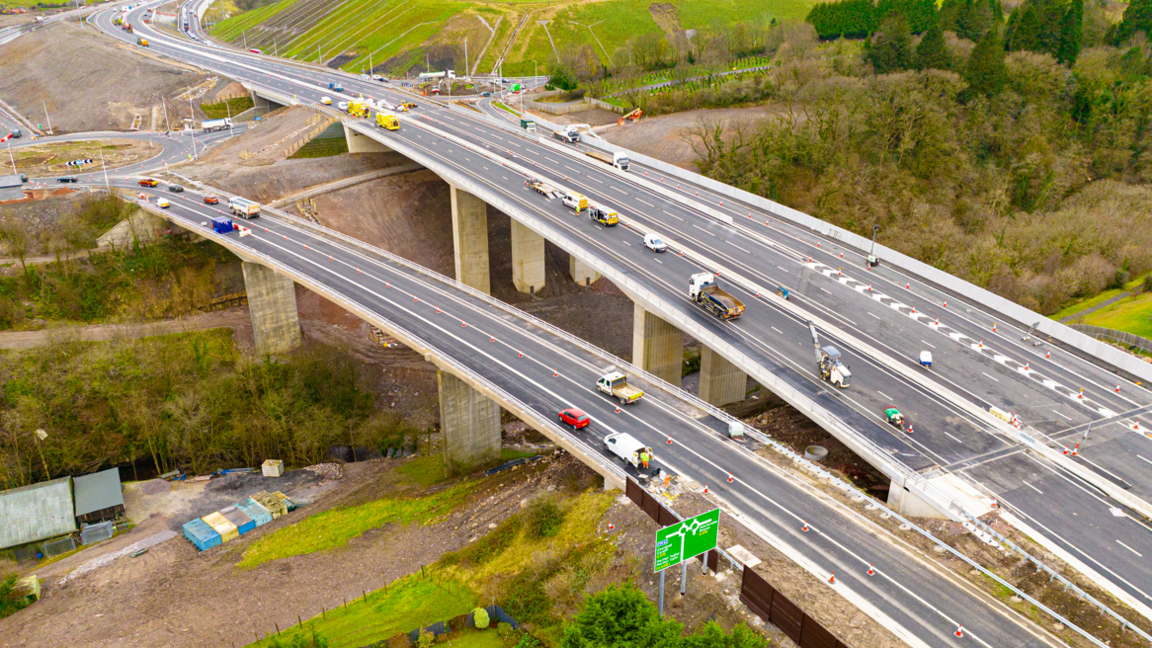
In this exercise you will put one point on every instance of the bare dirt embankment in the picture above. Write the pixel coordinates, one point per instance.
(87, 81)
(663, 137)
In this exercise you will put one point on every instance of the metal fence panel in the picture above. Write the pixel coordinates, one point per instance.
(814, 635)
(757, 594)
(666, 517)
(786, 615)
(651, 507)
(96, 532)
(714, 561)
(57, 547)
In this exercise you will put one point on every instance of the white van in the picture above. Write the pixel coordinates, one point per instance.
(655, 243)
(575, 201)
(626, 447)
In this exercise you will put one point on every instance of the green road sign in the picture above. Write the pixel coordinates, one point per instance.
(686, 539)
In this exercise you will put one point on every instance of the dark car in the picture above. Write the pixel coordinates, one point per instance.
(68, 179)
(574, 417)
(485, 94)
(175, 188)
(23, 178)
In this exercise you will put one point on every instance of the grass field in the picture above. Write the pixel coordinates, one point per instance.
(387, 28)
(1081, 306)
(1131, 314)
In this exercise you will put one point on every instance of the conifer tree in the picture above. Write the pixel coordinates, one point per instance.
(931, 53)
(986, 73)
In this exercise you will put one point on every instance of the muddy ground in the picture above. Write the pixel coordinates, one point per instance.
(667, 137)
(90, 83)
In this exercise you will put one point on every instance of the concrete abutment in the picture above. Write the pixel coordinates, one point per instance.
(657, 346)
(361, 143)
(581, 272)
(469, 421)
(470, 240)
(272, 304)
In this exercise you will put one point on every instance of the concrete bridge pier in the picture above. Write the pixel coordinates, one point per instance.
(527, 259)
(272, 304)
(581, 272)
(657, 346)
(361, 143)
(721, 382)
(470, 240)
(470, 423)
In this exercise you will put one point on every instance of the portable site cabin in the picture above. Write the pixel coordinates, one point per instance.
(36, 512)
(244, 523)
(221, 525)
(98, 496)
(200, 534)
(258, 513)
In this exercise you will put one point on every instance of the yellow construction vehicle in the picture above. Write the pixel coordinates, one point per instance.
(630, 117)
(387, 120)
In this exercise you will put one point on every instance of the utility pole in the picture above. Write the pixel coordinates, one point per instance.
(40, 436)
(102, 166)
(467, 70)
(46, 116)
(427, 65)
(167, 125)
(192, 123)
(872, 251)
(11, 157)
(319, 56)
(245, 33)
(371, 68)
(229, 109)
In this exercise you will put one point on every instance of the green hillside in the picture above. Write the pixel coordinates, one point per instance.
(398, 35)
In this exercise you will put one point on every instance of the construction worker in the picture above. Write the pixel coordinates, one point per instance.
(645, 457)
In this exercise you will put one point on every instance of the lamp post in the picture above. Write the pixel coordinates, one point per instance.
(40, 436)
(875, 228)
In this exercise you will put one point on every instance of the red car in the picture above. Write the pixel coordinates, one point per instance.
(575, 418)
(211, 200)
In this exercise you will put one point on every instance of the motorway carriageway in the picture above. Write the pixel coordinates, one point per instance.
(553, 374)
(945, 436)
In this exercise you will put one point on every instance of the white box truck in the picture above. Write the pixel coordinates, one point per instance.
(244, 208)
(210, 125)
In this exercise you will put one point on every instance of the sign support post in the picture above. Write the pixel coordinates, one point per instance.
(678, 543)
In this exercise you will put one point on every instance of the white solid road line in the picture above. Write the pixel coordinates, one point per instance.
(992, 377)
(872, 314)
(886, 396)
(1129, 548)
(930, 346)
(1031, 486)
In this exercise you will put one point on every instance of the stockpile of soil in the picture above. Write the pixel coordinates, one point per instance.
(88, 82)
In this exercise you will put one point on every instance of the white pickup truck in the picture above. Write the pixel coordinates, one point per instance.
(615, 384)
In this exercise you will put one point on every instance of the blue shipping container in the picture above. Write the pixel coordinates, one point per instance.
(258, 513)
(244, 523)
(222, 225)
(200, 534)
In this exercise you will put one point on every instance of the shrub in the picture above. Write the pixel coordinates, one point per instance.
(544, 519)
(480, 618)
(425, 640)
(12, 599)
(528, 641)
(507, 633)
(400, 641)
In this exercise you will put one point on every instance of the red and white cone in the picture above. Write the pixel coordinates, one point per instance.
(1048, 354)
(832, 578)
(839, 272)
(1137, 426)
(937, 321)
(1076, 449)
(908, 286)
(555, 374)
(913, 310)
(1026, 366)
(817, 243)
(945, 303)
(729, 478)
(841, 255)
(705, 489)
(805, 527)
(959, 631)
(981, 344)
(1065, 451)
(611, 527)
(1117, 388)
(869, 287)
(993, 327)
(521, 354)
(617, 409)
(1081, 396)
(493, 339)
(871, 571)
(669, 439)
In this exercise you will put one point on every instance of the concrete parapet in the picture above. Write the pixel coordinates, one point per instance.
(721, 382)
(470, 240)
(361, 143)
(469, 421)
(581, 272)
(657, 346)
(272, 304)
(527, 258)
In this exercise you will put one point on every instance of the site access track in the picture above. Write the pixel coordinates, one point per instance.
(546, 372)
(948, 433)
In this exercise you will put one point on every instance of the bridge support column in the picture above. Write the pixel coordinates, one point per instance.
(721, 382)
(470, 240)
(657, 346)
(272, 304)
(361, 143)
(470, 422)
(527, 258)
(908, 503)
(581, 272)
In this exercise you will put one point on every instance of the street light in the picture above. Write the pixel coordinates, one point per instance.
(872, 260)
(40, 436)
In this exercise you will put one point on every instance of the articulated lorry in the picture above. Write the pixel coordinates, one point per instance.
(244, 208)
(828, 361)
(618, 160)
(703, 290)
(209, 125)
